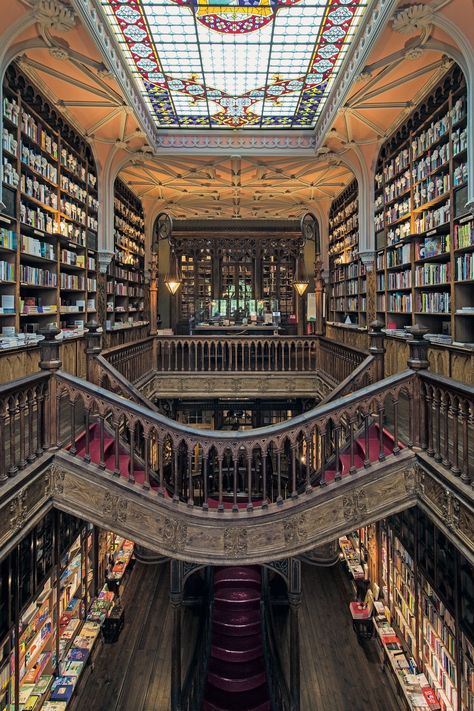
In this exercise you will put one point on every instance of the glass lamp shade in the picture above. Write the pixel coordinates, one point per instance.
(172, 283)
(301, 285)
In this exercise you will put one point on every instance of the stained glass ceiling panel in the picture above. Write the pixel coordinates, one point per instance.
(234, 63)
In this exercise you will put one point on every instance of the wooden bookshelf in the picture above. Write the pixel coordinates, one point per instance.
(48, 231)
(347, 298)
(424, 233)
(125, 276)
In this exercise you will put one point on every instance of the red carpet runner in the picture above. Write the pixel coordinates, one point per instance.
(236, 679)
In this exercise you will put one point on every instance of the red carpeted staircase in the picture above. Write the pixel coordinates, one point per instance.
(363, 452)
(236, 678)
(109, 455)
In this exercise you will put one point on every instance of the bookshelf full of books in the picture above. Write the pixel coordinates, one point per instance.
(427, 587)
(125, 277)
(48, 227)
(347, 300)
(424, 232)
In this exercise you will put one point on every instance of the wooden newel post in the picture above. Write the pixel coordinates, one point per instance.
(418, 360)
(50, 361)
(377, 348)
(319, 292)
(176, 601)
(93, 349)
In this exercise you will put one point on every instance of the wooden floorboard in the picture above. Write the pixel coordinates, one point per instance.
(337, 673)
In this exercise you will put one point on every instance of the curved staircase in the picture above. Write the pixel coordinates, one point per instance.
(236, 678)
(138, 475)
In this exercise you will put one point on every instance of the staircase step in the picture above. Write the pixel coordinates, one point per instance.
(345, 460)
(236, 648)
(219, 700)
(236, 676)
(94, 449)
(237, 598)
(124, 463)
(244, 623)
(244, 576)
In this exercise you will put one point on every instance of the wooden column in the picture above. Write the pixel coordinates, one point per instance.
(377, 348)
(49, 360)
(417, 361)
(319, 287)
(153, 301)
(176, 600)
(93, 349)
(294, 598)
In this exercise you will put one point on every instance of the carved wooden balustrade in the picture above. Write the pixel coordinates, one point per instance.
(447, 423)
(339, 360)
(230, 471)
(236, 354)
(22, 418)
(132, 360)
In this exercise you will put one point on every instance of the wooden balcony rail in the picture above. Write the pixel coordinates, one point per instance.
(230, 471)
(447, 423)
(22, 423)
(339, 360)
(236, 354)
(132, 360)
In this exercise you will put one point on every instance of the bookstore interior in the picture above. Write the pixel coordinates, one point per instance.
(237, 355)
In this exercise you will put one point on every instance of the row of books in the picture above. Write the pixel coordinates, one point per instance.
(434, 302)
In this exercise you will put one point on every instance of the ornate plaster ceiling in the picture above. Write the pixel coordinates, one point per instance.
(235, 186)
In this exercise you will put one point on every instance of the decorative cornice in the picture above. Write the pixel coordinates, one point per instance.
(247, 141)
(373, 21)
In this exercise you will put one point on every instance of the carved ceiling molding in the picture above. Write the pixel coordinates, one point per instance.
(53, 14)
(372, 24)
(247, 141)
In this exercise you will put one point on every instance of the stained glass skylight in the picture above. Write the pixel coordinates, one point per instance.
(235, 63)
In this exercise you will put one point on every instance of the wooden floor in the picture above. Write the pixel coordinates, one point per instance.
(337, 673)
(133, 674)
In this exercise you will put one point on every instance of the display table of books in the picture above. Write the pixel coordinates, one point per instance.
(413, 686)
(352, 558)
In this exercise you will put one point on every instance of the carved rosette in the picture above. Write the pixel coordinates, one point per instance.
(18, 511)
(175, 534)
(235, 542)
(115, 507)
(354, 506)
(294, 529)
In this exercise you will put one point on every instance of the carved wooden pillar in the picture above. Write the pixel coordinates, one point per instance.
(368, 260)
(176, 600)
(104, 259)
(153, 301)
(93, 349)
(417, 361)
(377, 349)
(294, 598)
(49, 360)
(319, 292)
